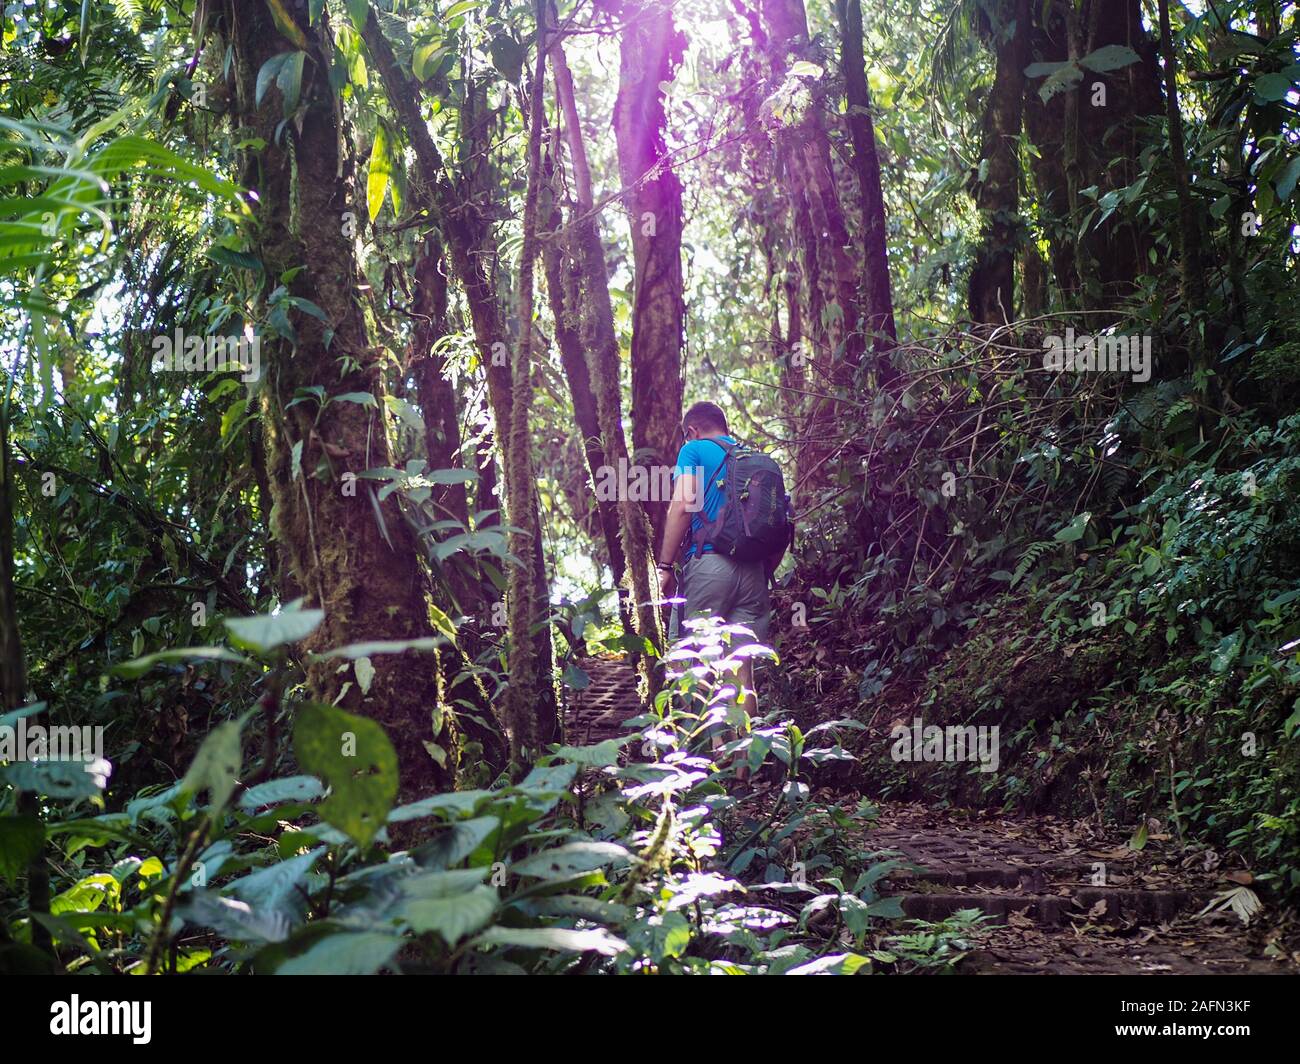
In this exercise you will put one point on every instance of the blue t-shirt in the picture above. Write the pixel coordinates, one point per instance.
(704, 458)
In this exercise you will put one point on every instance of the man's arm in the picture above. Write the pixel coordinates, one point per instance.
(685, 491)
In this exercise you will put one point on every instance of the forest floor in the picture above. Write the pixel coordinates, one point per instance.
(1062, 897)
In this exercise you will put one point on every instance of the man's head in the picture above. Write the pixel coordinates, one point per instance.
(703, 420)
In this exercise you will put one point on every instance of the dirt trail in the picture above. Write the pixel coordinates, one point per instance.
(1062, 897)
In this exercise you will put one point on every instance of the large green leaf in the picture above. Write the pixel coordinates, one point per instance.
(10, 719)
(427, 58)
(87, 894)
(1075, 529)
(274, 889)
(381, 169)
(267, 631)
(561, 938)
(130, 670)
(56, 779)
(274, 792)
(457, 842)
(266, 76)
(452, 916)
(348, 953)
(216, 766)
(355, 759)
(836, 964)
(353, 651)
(1066, 77)
(600, 755)
(456, 803)
(358, 11)
(234, 919)
(1110, 57)
(1269, 88)
(666, 935)
(460, 7)
(1285, 181)
(571, 858)
(289, 81)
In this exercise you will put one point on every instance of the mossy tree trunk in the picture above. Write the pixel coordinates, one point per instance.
(527, 730)
(353, 556)
(832, 274)
(651, 49)
(1090, 136)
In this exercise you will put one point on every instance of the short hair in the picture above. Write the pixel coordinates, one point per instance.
(705, 416)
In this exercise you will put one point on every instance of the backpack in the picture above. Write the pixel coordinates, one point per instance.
(755, 521)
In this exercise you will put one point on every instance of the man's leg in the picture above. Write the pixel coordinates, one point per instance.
(708, 589)
(753, 608)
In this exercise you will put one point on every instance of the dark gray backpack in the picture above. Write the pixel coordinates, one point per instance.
(755, 520)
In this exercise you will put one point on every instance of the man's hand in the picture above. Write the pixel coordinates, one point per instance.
(667, 583)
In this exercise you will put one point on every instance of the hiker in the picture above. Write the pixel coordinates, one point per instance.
(729, 524)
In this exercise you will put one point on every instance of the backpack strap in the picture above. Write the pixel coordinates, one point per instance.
(707, 527)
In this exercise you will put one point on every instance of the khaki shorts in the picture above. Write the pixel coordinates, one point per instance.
(714, 586)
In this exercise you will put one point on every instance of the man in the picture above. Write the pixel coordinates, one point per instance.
(713, 585)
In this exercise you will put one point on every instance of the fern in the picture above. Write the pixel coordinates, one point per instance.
(1033, 554)
(1184, 405)
(1113, 479)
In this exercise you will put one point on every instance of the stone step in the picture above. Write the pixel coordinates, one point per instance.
(1132, 905)
(991, 875)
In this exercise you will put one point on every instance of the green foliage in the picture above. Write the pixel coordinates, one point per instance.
(935, 947)
(354, 759)
(592, 862)
(969, 519)
(1142, 661)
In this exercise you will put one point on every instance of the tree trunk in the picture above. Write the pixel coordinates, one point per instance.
(997, 196)
(564, 291)
(601, 343)
(1033, 274)
(651, 49)
(877, 294)
(439, 408)
(528, 730)
(1189, 237)
(1082, 141)
(463, 590)
(807, 156)
(466, 229)
(831, 276)
(354, 557)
